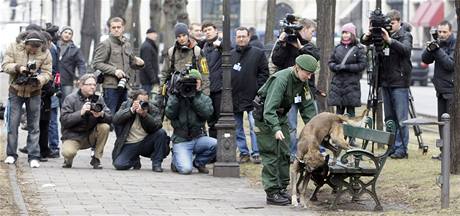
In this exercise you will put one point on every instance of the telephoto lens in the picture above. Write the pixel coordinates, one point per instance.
(122, 83)
(144, 105)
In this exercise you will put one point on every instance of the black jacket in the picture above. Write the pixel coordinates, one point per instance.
(74, 126)
(397, 66)
(125, 118)
(443, 78)
(255, 42)
(71, 58)
(252, 75)
(149, 53)
(214, 59)
(345, 86)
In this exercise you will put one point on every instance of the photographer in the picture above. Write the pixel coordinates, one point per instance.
(115, 59)
(395, 77)
(441, 51)
(85, 122)
(141, 134)
(188, 109)
(286, 50)
(28, 62)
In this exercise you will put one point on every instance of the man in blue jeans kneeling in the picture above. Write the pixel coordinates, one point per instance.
(188, 109)
(141, 134)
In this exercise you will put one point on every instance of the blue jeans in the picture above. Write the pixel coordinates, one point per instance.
(148, 88)
(241, 137)
(66, 90)
(152, 146)
(204, 149)
(53, 130)
(33, 119)
(396, 108)
(292, 121)
(113, 99)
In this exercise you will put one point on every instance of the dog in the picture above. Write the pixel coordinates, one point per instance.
(310, 163)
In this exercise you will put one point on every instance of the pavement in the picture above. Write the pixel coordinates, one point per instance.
(82, 190)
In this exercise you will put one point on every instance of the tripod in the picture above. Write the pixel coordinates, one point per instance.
(417, 130)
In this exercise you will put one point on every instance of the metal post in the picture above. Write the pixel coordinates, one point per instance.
(445, 163)
(226, 165)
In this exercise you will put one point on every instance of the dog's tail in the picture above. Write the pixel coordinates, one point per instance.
(354, 120)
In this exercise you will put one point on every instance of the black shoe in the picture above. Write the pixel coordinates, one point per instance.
(256, 159)
(54, 154)
(173, 167)
(284, 193)
(399, 156)
(201, 169)
(157, 168)
(43, 159)
(96, 163)
(277, 199)
(23, 150)
(137, 165)
(67, 164)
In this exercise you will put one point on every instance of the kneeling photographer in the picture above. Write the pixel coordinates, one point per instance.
(85, 120)
(393, 42)
(188, 108)
(141, 134)
(441, 51)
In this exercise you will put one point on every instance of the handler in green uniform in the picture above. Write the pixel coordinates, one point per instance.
(282, 89)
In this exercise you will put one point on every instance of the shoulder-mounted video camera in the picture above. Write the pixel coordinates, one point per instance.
(290, 26)
(182, 84)
(434, 44)
(377, 22)
(29, 76)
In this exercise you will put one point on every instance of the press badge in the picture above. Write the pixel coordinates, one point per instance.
(297, 99)
(237, 67)
(386, 51)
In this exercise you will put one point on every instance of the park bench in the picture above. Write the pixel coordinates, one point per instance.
(357, 170)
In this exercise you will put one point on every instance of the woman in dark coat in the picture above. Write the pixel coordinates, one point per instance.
(345, 92)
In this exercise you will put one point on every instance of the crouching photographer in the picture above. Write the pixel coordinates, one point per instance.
(28, 63)
(441, 51)
(141, 134)
(85, 122)
(188, 108)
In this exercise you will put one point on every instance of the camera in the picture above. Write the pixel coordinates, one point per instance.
(28, 77)
(434, 44)
(377, 22)
(181, 84)
(122, 83)
(144, 105)
(96, 107)
(290, 27)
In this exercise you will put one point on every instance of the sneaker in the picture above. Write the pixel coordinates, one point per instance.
(277, 199)
(256, 159)
(245, 158)
(10, 160)
(34, 163)
(96, 163)
(67, 164)
(23, 150)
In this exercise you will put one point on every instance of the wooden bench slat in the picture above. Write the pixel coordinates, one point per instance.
(367, 134)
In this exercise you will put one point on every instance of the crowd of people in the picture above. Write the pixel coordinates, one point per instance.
(48, 72)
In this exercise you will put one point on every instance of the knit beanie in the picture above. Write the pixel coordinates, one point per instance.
(63, 28)
(194, 73)
(180, 28)
(349, 27)
(307, 62)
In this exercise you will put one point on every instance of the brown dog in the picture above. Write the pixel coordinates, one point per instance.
(308, 156)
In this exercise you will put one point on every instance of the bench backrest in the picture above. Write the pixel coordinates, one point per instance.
(371, 135)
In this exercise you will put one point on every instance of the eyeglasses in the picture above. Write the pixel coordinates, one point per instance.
(90, 84)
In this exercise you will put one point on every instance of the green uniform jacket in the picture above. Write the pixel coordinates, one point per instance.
(279, 95)
(188, 116)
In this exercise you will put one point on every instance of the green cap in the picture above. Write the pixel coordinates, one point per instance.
(307, 62)
(194, 73)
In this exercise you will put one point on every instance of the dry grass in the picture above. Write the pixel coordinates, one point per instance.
(404, 186)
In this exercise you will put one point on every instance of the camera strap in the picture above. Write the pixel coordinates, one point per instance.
(347, 55)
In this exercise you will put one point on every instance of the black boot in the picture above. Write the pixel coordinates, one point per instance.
(277, 199)
(284, 193)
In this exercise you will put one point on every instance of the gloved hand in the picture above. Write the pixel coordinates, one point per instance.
(432, 46)
(339, 67)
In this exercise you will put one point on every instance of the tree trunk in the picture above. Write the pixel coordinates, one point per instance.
(455, 118)
(175, 11)
(136, 25)
(325, 42)
(69, 13)
(91, 28)
(119, 8)
(155, 10)
(270, 21)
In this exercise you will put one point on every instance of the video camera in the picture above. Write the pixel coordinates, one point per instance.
(377, 22)
(181, 84)
(290, 27)
(29, 76)
(434, 44)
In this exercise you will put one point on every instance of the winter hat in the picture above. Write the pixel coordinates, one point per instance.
(307, 62)
(180, 28)
(66, 28)
(194, 73)
(349, 27)
(151, 30)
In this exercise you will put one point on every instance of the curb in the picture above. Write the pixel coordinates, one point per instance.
(17, 194)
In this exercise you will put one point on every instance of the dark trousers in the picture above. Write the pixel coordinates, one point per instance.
(350, 110)
(444, 106)
(216, 100)
(113, 99)
(43, 139)
(154, 146)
